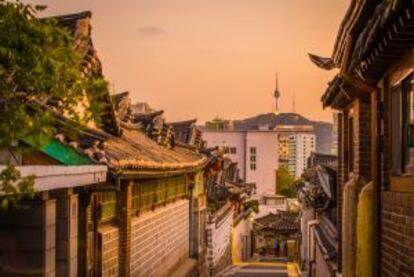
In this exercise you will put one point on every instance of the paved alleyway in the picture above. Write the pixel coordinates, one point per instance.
(279, 269)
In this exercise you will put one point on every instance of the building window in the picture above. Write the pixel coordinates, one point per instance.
(402, 126)
(253, 153)
(233, 150)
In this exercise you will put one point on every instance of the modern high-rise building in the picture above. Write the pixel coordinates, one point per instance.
(296, 143)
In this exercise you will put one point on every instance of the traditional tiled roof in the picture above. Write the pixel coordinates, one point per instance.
(380, 32)
(79, 26)
(282, 222)
(122, 103)
(222, 179)
(151, 123)
(327, 246)
(317, 188)
(322, 62)
(129, 143)
(353, 22)
(134, 150)
(387, 35)
(188, 133)
(326, 160)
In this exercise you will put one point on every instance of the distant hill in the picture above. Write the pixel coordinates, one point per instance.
(323, 130)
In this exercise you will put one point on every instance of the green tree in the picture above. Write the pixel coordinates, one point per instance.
(218, 124)
(38, 63)
(285, 183)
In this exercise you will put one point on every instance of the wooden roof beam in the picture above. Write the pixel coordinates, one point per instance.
(364, 86)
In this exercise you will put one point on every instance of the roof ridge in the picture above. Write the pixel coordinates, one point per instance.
(71, 16)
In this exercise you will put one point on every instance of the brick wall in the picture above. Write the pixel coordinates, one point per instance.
(160, 240)
(361, 115)
(362, 139)
(109, 243)
(124, 202)
(397, 234)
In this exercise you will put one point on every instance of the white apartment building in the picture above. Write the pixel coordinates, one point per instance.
(255, 151)
(296, 143)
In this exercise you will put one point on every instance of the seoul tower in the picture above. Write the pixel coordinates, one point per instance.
(276, 95)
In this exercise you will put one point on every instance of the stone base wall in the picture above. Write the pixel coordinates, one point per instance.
(397, 234)
(160, 240)
(109, 243)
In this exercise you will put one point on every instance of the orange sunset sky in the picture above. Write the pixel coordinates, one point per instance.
(202, 58)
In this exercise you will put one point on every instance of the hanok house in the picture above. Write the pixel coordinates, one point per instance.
(146, 219)
(153, 219)
(319, 234)
(374, 96)
(276, 235)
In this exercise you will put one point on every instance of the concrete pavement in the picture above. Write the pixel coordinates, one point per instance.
(261, 269)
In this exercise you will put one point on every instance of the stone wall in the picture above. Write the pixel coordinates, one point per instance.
(397, 234)
(219, 228)
(109, 244)
(160, 240)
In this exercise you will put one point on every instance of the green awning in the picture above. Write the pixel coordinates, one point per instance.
(62, 153)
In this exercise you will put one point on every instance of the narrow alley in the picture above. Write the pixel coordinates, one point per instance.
(261, 269)
(213, 138)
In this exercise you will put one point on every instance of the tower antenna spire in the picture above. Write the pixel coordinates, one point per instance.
(276, 94)
(277, 82)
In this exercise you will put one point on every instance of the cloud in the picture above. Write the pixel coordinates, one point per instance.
(151, 31)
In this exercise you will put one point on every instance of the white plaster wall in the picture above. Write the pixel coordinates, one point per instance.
(321, 265)
(241, 231)
(229, 139)
(306, 216)
(218, 231)
(266, 209)
(267, 159)
(221, 233)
